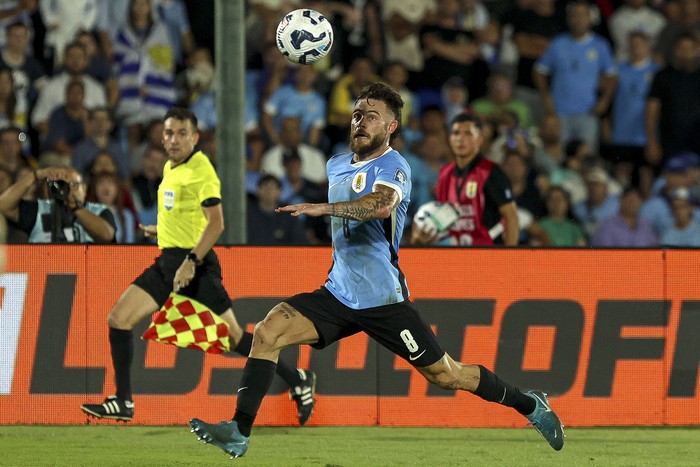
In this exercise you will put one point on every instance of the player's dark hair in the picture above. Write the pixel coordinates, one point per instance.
(465, 117)
(182, 114)
(385, 93)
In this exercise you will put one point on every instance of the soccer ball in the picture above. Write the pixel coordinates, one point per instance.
(304, 36)
(435, 217)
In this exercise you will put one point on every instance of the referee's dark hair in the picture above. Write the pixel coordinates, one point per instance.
(466, 117)
(182, 114)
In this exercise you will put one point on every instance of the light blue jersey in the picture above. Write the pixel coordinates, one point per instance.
(365, 271)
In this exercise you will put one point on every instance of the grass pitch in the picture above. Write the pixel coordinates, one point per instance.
(348, 446)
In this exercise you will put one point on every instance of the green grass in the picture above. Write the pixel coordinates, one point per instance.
(348, 446)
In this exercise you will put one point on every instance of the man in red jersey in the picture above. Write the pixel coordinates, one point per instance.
(479, 190)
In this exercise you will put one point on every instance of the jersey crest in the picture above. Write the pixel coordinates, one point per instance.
(471, 189)
(359, 182)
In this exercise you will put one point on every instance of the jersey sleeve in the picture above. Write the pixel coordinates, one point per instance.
(395, 173)
(209, 183)
(497, 187)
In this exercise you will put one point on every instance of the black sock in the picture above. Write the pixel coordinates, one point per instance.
(255, 382)
(494, 389)
(244, 345)
(288, 374)
(122, 344)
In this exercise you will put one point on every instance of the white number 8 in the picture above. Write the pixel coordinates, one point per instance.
(408, 339)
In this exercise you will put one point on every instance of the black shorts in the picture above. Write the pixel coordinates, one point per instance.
(206, 287)
(398, 327)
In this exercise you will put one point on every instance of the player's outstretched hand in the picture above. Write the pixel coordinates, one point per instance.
(310, 209)
(149, 231)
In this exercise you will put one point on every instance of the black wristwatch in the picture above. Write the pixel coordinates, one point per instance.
(192, 257)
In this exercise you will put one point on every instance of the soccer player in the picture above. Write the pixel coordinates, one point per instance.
(190, 220)
(478, 188)
(369, 191)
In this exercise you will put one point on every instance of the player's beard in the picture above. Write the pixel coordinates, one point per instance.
(367, 147)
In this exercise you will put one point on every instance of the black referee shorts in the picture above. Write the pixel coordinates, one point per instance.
(206, 287)
(398, 327)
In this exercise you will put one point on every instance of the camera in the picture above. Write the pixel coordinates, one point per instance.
(59, 190)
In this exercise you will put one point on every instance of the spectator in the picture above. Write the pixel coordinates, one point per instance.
(582, 72)
(534, 27)
(635, 16)
(297, 189)
(559, 223)
(28, 73)
(685, 230)
(173, 14)
(98, 67)
(98, 130)
(676, 174)
(474, 16)
(13, 106)
(15, 11)
(528, 201)
(197, 79)
(111, 15)
(627, 119)
(402, 21)
(686, 23)
(154, 139)
(11, 156)
(455, 99)
(265, 226)
(105, 189)
(53, 93)
(569, 175)
(301, 101)
(550, 154)
(673, 105)
(104, 163)
(66, 127)
(145, 184)
(63, 19)
(395, 75)
(626, 229)
(64, 217)
(146, 70)
(500, 101)
(599, 203)
(14, 234)
(313, 161)
(343, 96)
(449, 50)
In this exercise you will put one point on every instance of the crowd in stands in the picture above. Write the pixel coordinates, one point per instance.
(591, 108)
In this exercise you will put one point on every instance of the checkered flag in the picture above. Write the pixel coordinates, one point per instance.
(185, 322)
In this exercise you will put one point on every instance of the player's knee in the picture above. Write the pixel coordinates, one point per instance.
(117, 320)
(265, 336)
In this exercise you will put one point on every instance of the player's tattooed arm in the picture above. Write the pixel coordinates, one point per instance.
(375, 205)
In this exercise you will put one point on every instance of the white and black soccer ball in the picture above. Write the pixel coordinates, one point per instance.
(304, 36)
(423, 218)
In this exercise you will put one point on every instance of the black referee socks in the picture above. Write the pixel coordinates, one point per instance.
(122, 344)
(494, 389)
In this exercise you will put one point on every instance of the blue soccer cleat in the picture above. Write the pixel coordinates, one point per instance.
(224, 435)
(546, 421)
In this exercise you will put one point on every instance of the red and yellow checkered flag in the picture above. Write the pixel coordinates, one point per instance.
(185, 322)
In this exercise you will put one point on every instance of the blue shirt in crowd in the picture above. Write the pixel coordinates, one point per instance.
(633, 84)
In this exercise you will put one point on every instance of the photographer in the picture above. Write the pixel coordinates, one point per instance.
(62, 218)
